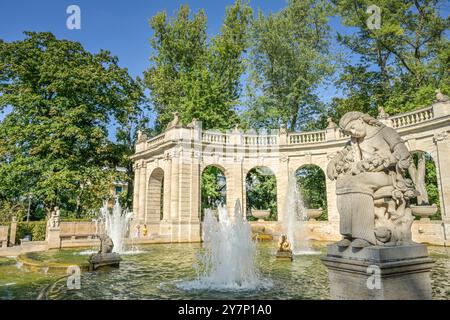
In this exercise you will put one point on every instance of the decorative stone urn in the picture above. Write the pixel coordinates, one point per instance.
(424, 211)
(313, 214)
(260, 214)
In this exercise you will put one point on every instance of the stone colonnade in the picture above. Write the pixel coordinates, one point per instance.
(168, 167)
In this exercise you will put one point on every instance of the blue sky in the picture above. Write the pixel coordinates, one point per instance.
(120, 26)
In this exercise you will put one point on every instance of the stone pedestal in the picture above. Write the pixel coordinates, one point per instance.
(12, 232)
(53, 238)
(284, 255)
(99, 260)
(379, 273)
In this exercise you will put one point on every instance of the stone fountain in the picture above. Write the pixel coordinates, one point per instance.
(105, 256)
(376, 259)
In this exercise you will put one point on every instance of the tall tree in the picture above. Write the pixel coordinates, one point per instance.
(54, 141)
(196, 77)
(399, 65)
(290, 58)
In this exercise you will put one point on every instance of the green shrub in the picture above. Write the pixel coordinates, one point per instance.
(35, 228)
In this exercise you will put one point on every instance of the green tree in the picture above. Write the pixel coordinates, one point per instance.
(261, 187)
(289, 59)
(193, 76)
(312, 185)
(54, 141)
(399, 65)
(213, 188)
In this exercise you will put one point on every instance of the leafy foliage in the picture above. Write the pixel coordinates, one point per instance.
(289, 59)
(54, 142)
(36, 229)
(400, 65)
(213, 188)
(197, 78)
(312, 185)
(261, 187)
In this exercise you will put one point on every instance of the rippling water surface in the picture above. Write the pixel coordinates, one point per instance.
(161, 272)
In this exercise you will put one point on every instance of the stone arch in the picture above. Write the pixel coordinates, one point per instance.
(220, 174)
(312, 183)
(266, 201)
(155, 196)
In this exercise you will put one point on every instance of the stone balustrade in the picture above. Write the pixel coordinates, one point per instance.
(213, 137)
(411, 118)
(307, 137)
(295, 138)
(260, 140)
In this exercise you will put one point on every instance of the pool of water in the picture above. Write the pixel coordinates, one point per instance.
(159, 272)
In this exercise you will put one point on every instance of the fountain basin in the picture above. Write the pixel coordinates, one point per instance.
(260, 214)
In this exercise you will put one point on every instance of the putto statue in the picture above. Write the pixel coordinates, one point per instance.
(284, 248)
(372, 192)
(106, 244)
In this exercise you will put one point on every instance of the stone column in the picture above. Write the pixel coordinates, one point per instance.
(142, 190)
(167, 186)
(12, 233)
(333, 214)
(282, 185)
(136, 188)
(442, 160)
(235, 186)
(174, 186)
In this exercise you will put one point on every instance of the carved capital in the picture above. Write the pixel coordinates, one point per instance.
(438, 137)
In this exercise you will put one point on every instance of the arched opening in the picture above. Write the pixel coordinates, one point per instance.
(312, 187)
(213, 189)
(155, 196)
(261, 194)
(422, 172)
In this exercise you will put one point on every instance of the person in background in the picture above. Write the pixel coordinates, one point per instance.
(145, 230)
(138, 231)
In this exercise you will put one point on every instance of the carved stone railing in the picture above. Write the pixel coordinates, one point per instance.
(260, 140)
(437, 111)
(307, 137)
(411, 118)
(212, 137)
(155, 140)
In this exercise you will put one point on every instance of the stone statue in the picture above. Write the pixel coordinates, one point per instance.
(141, 137)
(382, 114)
(283, 244)
(193, 123)
(54, 218)
(106, 244)
(105, 256)
(284, 248)
(372, 191)
(176, 120)
(331, 123)
(440, 97)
